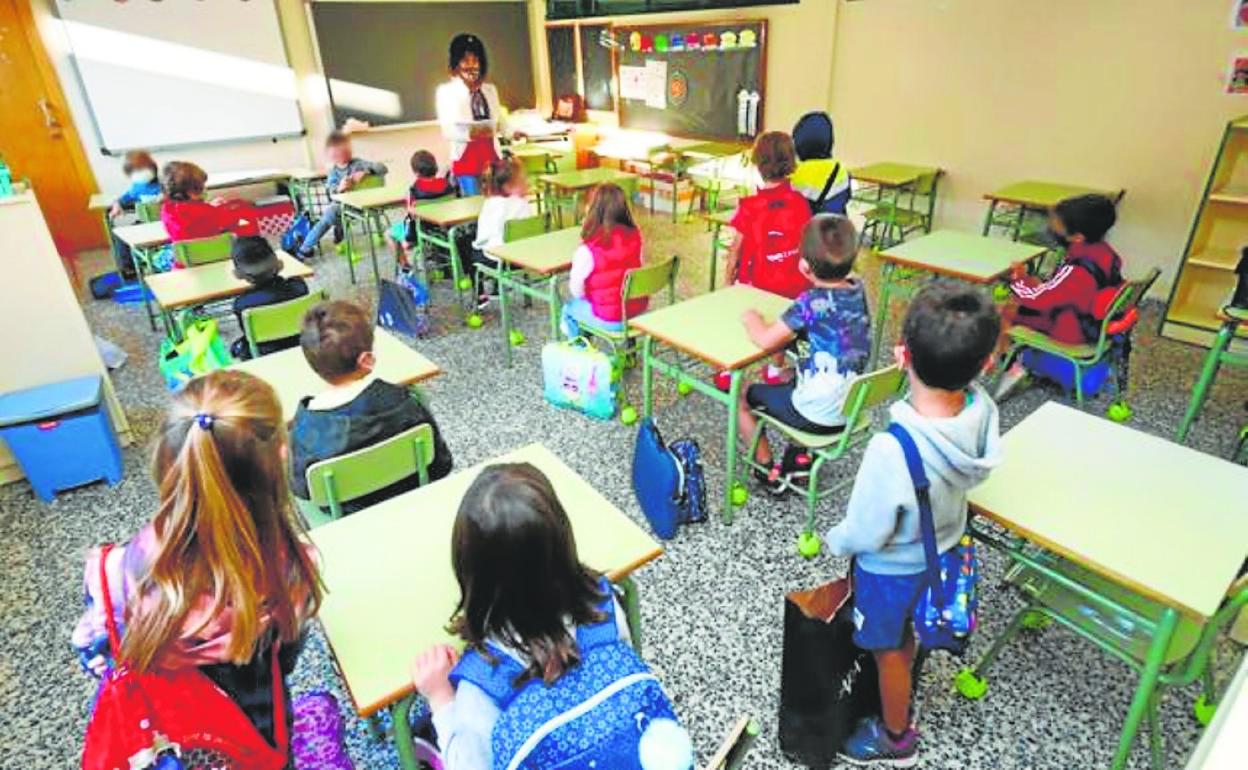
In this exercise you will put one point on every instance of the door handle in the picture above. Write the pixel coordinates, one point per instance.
(49, 119)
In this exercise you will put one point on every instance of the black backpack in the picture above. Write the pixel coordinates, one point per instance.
(1089, 323)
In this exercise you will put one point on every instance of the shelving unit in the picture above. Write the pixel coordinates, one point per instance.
(1206, 277)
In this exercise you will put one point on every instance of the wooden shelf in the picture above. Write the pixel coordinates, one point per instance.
(1215, 258)
(1194, 314)
(1235, 196)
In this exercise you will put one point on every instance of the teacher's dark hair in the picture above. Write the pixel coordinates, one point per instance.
(464, 44)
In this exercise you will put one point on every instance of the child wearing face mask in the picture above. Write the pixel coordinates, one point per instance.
(140, 170)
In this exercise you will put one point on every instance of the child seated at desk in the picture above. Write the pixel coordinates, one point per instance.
(187, 216)
(832, 315)
(141, 171)
(538, 624)
(1064, 306)
(357, 409)
(257, 264)
(820, 178)
(610, 247)
(427, 186)
(345, 172)
(219, 586)
(507, 198)
(948, 338)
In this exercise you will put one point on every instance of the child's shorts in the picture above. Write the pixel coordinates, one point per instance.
(883, 607)
(777, 401)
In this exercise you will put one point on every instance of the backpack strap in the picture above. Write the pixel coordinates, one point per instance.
(1098, 275)
(599, 634)
(497, 679)
(110, 621)
(817, 206)
(922, 492)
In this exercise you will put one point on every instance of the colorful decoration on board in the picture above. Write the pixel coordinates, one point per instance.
(660, 43)
(693, 42)
(748, 39)
(647, 44)
(677, 88)
(710, 41)
(728, 40)
(634, 41)
(678, 42)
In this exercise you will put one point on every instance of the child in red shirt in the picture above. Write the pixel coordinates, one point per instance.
(427, 186)
(185, 213)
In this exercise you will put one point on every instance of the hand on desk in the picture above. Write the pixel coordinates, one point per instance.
(115, 211)
(431, 675)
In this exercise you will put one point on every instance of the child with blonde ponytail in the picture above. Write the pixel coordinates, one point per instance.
(220, 580)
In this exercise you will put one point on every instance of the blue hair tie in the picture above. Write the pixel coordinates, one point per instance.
(204, 421)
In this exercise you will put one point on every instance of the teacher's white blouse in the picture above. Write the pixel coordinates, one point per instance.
(455, 112)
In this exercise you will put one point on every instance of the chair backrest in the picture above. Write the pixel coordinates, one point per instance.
(148, 211)
(351, 476)
(926, 184)
(536, 165)
(649, 280)
(1125, 302)
(203, 251)
(866, 392)
(519, 229)
(277, 321)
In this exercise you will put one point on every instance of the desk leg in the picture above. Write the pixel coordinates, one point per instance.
(1143, 698)
(503, 278)
(730, 463)
(142, 257)
(1018, 223)
(717, 228)
(632, 610)
(647, 376)
(457, 274)
(372, 245)
(992, 209)
(401, 713)
(1208, 372)
(347, 216)
(881, 312)
(553, 304)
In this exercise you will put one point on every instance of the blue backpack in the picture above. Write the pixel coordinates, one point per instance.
(293, 238)
(403, 306)
(668, 481)
(945, 616)
(594, 716)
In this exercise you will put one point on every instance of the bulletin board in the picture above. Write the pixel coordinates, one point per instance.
(696, 80)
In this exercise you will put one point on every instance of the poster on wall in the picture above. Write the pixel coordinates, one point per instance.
(1239, 14)
(1237, 78)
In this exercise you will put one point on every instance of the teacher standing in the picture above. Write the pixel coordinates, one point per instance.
(469, 113)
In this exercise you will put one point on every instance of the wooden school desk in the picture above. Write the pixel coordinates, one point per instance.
(363, 207)
(207, 283)
(972, 258)
(391, 590)
(1020, 199)
(531, 267)
(293, 379)
(1131, 533)
(571, 185)
(446, 217)
(707, 329)
(144, 240)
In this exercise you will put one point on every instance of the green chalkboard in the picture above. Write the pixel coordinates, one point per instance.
(707, 66)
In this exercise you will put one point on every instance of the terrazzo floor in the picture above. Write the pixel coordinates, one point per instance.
(711, 606)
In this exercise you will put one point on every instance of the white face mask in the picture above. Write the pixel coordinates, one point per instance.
(142, 175)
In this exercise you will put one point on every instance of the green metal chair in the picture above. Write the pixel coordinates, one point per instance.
(1219, 353)
(351, 476)
(148, 211)
(642, 282)
(1116, 620)
(516, 230)
(1122, 315)
(277, 321)
(867, 392)
(534, 167)
(203, 251)
(890, 220)
(380, 225)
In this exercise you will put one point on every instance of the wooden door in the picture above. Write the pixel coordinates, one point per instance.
(37, 136)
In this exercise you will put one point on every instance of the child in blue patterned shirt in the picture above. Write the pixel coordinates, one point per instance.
(833, 320)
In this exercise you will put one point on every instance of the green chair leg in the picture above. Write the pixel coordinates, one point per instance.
(401, 714)
(1154, 732)
(1208, 371)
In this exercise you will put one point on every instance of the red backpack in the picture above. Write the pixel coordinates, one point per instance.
(772, 240)
(143, 720)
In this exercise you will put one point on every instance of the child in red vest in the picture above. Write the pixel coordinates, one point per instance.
(185, 213)
(610, 247)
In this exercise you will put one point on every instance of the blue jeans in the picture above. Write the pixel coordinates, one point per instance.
(469, 185)
(327, 220)
(577, 311)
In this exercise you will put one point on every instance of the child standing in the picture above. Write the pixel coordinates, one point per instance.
(358, 409)
(832, 315)
(948, 338)
(820, 178)
(610, 247)
(507, 198)
(345, 172)
(427, 186)
(221, 575)
(526, 610)
(256, 263)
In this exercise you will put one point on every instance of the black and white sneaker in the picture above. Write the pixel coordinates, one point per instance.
(796, 465)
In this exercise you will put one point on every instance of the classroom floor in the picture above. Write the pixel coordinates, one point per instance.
(711, 606)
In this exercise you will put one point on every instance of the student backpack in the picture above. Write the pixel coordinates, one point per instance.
(668, 481)
(607, 711)
(772, 239)
(179, 719)
(1107, 287)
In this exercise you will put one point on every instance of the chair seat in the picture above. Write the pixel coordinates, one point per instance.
(808, 440)
(1022, 335)
(903, 217)
(1235, 313)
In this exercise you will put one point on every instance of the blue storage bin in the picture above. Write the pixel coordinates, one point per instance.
(1061, 371)
(61, 435)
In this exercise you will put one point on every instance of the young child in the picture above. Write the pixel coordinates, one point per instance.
(345, 172)
(832, 315)
(949, 335)
(358, 409)
(507, 198)
(185, 213)
(820, 178)
(427, 186)
(141, 171)
(525, 603)
(765, 249)
(221, 574)
(256, 263)
(1062, 307)
(610, 247)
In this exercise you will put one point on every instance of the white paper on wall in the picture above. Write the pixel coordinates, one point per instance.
(656, 83)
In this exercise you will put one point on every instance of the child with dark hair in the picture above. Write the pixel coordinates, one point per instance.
(832, 315)
(185, 213)
(256, 263)
(142, 173)
(820, 178)
(357, 409)
(427, 186)
(948, 338)
(1063, 306)
(345, 172)
(506, 198)
(610, 247)
(527, 606)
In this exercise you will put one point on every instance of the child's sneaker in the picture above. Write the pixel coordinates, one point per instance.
(871, 745)
(1010, 379)
(796, 465)
(772, 481)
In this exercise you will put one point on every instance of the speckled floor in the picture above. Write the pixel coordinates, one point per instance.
(711, 607)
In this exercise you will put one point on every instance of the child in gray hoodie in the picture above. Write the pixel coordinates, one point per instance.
(949, 335)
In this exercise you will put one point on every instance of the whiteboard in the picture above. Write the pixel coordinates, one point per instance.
(182, 72)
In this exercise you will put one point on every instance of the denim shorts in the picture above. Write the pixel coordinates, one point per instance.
(883, 607)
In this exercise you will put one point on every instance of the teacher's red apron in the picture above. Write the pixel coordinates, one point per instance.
(478, 155)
